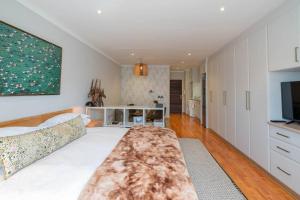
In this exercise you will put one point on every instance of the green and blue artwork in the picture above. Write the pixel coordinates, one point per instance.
(29, 65)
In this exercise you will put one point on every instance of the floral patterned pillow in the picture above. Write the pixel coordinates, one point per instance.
(17, 152)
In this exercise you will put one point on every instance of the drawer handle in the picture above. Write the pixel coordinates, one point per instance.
(284, 171)
(280, 134)
(282, 149)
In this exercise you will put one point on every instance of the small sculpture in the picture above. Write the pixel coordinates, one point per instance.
(96, 94)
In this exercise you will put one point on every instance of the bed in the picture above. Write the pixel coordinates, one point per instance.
(79, 170)
(103, 163)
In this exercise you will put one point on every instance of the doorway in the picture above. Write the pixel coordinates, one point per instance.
(175, 96)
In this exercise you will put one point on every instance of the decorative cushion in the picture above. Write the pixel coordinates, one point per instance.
(17, 152)
(63, 118)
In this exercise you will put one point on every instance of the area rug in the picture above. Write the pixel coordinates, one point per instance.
(209, 179)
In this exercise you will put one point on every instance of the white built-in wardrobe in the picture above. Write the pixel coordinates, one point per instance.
(238, 95)
(238, 81)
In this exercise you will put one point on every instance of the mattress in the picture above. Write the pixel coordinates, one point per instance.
(64, 173)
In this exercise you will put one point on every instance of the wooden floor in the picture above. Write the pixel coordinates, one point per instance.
(253, 181)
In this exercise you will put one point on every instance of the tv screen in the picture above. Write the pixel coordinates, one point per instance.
(290, 94)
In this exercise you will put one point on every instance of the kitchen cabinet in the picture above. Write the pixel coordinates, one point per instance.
(195, 74)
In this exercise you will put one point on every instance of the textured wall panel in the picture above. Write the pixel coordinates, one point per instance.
(136, 89)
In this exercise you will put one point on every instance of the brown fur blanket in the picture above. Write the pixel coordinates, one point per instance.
(146, 164)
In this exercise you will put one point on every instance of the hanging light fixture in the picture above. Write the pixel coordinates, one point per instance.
(140, 69)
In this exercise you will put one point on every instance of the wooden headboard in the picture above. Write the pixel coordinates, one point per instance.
(33, 120)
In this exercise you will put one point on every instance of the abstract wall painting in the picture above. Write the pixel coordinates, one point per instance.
(29, 65)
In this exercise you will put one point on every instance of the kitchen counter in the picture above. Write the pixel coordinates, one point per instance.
(195, 108)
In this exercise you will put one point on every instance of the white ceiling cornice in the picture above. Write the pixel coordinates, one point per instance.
(41, 13)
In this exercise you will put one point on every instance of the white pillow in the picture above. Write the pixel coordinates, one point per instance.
(16, 130)
(86, 121)
(58, 119)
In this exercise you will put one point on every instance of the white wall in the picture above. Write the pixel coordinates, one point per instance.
(275, 79)
(136, 89)
(79, 65)
(177, 75)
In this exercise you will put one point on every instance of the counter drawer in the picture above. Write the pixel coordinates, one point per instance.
(286, 149)
(286, 170)
(285, 135)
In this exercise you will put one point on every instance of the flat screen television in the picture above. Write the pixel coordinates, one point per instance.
(290, 95)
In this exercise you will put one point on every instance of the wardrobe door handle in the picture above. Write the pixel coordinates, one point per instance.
(284, 171)
(246, 95)
(224, 98)
(296, 54)
(247, 100)
(282, 149)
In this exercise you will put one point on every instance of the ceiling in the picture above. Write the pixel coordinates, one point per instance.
(158, 31)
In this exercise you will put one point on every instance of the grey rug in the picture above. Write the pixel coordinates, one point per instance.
(209, 179)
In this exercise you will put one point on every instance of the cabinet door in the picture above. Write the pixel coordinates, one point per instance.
(213, 96)
(230, 94)
(283, 37)
(258, 104)
(242, 87)
(221, 95)
(210, 80)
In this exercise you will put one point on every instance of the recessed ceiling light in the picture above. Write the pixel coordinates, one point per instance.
(132, 54)
(189, 54)
(222, 9)
(99, 11)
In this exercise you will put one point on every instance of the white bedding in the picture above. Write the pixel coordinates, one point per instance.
(63, 174)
